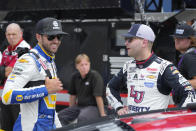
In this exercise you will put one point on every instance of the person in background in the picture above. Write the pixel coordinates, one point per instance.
(186, 46)
(33, 83)
(149, 79)
(14, 36)
(86, 94)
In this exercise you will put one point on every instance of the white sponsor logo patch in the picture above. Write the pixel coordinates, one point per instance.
(55, 25)
(179, 31)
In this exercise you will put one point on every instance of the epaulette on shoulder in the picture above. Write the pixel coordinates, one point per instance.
(20, 51)
(158, 60)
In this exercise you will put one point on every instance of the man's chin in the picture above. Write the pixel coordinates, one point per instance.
(53, 51)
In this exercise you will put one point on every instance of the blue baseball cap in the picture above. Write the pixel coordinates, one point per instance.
(141, 31)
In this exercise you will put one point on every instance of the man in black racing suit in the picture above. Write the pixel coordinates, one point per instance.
(149, 78)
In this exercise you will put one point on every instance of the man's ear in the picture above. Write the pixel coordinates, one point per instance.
(21, 34)
(38, 36)
(145, 42)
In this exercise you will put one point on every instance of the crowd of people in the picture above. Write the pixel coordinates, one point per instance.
(31, 82)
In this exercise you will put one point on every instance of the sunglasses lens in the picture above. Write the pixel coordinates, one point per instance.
(129, 39)
(52, 37)
(60, 37)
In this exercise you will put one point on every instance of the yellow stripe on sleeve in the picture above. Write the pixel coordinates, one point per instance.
(7, 96)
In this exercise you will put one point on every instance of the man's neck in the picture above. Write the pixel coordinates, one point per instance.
(143, 56)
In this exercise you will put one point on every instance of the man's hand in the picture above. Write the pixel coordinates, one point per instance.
(8, 70)
(103, 115)
(53, 85)
(123, 111)
(191, 98)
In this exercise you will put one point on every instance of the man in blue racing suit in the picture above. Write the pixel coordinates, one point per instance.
(33, 82)
(149, 79)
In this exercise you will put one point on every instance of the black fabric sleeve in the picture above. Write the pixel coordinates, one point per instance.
(98, 88)
(189, 62)
(172, 79)
(116, 83)
(2, 73)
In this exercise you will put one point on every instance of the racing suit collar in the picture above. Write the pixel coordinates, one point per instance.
(147, 62)
(43, 53)
(12, 48)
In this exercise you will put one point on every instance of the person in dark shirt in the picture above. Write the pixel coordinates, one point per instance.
(86, 94)
(184, 44)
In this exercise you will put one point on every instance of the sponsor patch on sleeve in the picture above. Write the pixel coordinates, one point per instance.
(188, 88)
(19, 98)
(175, 72)
(12, 77)
(23, 60)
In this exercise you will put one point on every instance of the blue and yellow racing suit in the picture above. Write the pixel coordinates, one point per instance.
(26, 86)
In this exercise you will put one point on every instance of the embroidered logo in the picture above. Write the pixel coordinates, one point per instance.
(55, 25)
(137, 95)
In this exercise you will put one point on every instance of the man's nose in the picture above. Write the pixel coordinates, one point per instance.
(126, 42)
(11, 36)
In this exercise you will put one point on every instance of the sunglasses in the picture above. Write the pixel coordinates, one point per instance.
(129, 39)
(52, 37)
(132, 38)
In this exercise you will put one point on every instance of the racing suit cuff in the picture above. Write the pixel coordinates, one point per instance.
(191, 98)
(45, 91)
(117, 105)
(117, 109)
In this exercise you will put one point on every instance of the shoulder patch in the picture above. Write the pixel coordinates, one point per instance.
(158, 60)
(124, 68)
(23, 60)
(129, 66)
(164, 65)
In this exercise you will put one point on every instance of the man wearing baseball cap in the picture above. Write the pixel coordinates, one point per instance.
(185, 45)
(34, 82)
(149, 78)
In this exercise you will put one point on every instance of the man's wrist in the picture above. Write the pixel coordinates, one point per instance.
(117, 109)
(103, 114)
